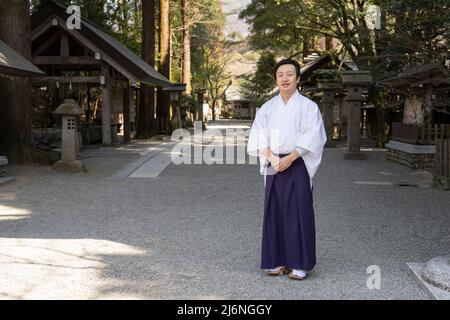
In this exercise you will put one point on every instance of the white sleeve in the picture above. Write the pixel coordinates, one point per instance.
(313, 136)
(257, 140)
(302, 152)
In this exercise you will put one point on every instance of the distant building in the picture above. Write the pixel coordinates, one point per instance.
(236, 106)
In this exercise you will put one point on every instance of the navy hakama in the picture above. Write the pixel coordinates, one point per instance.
(288, 237)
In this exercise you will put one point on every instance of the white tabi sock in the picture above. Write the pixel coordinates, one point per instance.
(299, 273)
(275, 269)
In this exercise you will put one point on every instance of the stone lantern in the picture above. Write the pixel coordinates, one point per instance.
(69, 110)
(354, 83)
(200, 98)
(175, 91)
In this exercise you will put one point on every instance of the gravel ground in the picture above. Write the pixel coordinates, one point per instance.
(194, 232)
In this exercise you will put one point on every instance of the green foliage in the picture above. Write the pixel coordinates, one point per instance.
(121, 18)
(189, 102)
(412, 33)
(205, 35)
(257, 87)
(275, 26)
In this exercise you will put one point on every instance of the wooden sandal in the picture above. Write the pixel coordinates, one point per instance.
(281, 271)
(295, 277)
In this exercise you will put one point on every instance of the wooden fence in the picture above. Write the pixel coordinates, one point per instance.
(442, 159)
(419, 134)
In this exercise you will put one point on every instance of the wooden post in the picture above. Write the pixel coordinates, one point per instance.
(436, 133)
(437, 164)
(442, 159)
(106, 105)
(447, 164)
(126, 114)
(340, 124)
(64, 45)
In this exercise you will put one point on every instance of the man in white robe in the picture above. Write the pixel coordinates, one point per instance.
(289, 136)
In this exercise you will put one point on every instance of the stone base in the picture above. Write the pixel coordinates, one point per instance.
(411, 155)
(411, 160)
(352, 155)
(74, 166)
(437, 272)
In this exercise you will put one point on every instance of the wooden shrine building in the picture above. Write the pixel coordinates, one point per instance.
(78, 59)
(421, 138)
(311, 75)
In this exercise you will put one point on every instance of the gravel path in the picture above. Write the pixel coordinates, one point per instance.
(194, 231)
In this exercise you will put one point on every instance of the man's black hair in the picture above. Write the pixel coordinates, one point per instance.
(288, 61)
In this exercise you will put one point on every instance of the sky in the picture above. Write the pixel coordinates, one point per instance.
(233, 22)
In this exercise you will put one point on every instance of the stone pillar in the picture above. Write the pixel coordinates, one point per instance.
(69, 146)
(106, 105)
(69, 138)
(354, 82)
(353, 102)
(327, 82)
(327, 102)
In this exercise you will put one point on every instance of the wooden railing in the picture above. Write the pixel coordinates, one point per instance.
(418, 134)
(442, 159)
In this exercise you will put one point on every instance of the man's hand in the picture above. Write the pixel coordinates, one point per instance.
(286, 162)
(274, 161)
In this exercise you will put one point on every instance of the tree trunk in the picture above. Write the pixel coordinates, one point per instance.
(379, 100)
(186, 65)
(146, 107)
(124, 20)
(164, 54)
(213, 113)
(382, 115)
(15, 95)
(305, 48)
(328, 43)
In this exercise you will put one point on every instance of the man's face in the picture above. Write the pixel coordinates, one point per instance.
(286, 78)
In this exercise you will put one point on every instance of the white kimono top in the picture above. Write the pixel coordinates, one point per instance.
(284, 127)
